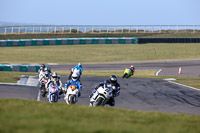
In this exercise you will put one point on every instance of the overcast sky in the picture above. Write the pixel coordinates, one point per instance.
(101, 12)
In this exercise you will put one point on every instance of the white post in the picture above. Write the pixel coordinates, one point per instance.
(194, 27)
(152, 28)
(5, 30)
(93, 29)
(19, 30)
(85, 29)
(100, 29)
(12, 30)
(26, 30)
(55, 30)
(144, 28)
(137, 29)
(107, 28)
(78, 29)
(33, 28)
(70, 29)
(63, 29)
(168, 28)
(40, 29)
(185, 28)
(177, 28)
(160, 28)
(130, 29)
(48, 29)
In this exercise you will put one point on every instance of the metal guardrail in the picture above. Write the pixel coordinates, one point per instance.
(97, 29)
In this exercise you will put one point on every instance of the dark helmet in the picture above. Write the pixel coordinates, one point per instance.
(42, 66)
(113, 79)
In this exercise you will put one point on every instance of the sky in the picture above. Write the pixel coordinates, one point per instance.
(101, 12)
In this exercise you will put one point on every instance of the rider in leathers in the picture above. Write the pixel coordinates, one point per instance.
(115, 85)
(76, 82)
(56, 79)
(79, 67)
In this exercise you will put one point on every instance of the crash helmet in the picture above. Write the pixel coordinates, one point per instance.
(74, 76)
(54, 76)
(113, 79)
(42, 66)
(79, 64)
(46, 73)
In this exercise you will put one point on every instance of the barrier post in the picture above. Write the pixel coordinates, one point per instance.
(33, 29)
(55, 30)
(70, 29)
(19, 30)
(194, 28)
(5, 30)
(12, 30)
(63, 30)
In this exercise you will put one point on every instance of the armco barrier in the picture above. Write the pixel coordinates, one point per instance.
(168, 40)
(19, 68)
(67, 41)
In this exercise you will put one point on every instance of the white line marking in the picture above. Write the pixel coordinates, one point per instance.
(38, 97)
(158, 72)
(184, 85)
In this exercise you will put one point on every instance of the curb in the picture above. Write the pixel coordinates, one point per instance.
(19, 68)
(67, 41)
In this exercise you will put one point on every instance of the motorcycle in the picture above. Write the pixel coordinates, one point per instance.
(43, 79)
(101, 96)
(127, 73)
(53, 93)
(71, 97)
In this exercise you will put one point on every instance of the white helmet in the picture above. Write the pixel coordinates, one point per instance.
(74, 76)
(79, 64)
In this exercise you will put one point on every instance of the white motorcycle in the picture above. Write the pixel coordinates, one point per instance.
(53, 93)
(71, 97)
(101, 96)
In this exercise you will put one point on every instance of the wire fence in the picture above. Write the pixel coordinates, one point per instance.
(97, 29)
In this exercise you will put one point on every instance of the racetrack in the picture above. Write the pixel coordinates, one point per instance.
(137, 94)
(190, 68)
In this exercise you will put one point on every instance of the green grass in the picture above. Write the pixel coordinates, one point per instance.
(22, 116)
(99, 53)
(38, 36)
(12, 77)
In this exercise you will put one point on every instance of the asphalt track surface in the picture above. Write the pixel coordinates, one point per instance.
(136, 93)
(190, 68)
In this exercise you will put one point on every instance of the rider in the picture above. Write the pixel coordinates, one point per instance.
(74, 81)
(56, 80)
(115, 85)
(132, 68)
(79, 67)
(41, 68)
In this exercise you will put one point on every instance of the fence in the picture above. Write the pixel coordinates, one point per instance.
(97, 29)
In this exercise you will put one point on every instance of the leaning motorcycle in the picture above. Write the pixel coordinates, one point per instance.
(127, 73)
(101, 96)
(71, 97)
(53, 93)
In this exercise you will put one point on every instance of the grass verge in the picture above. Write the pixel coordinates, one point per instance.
(38, 36)
(99, 53)
(13, 77)
(22, 116)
